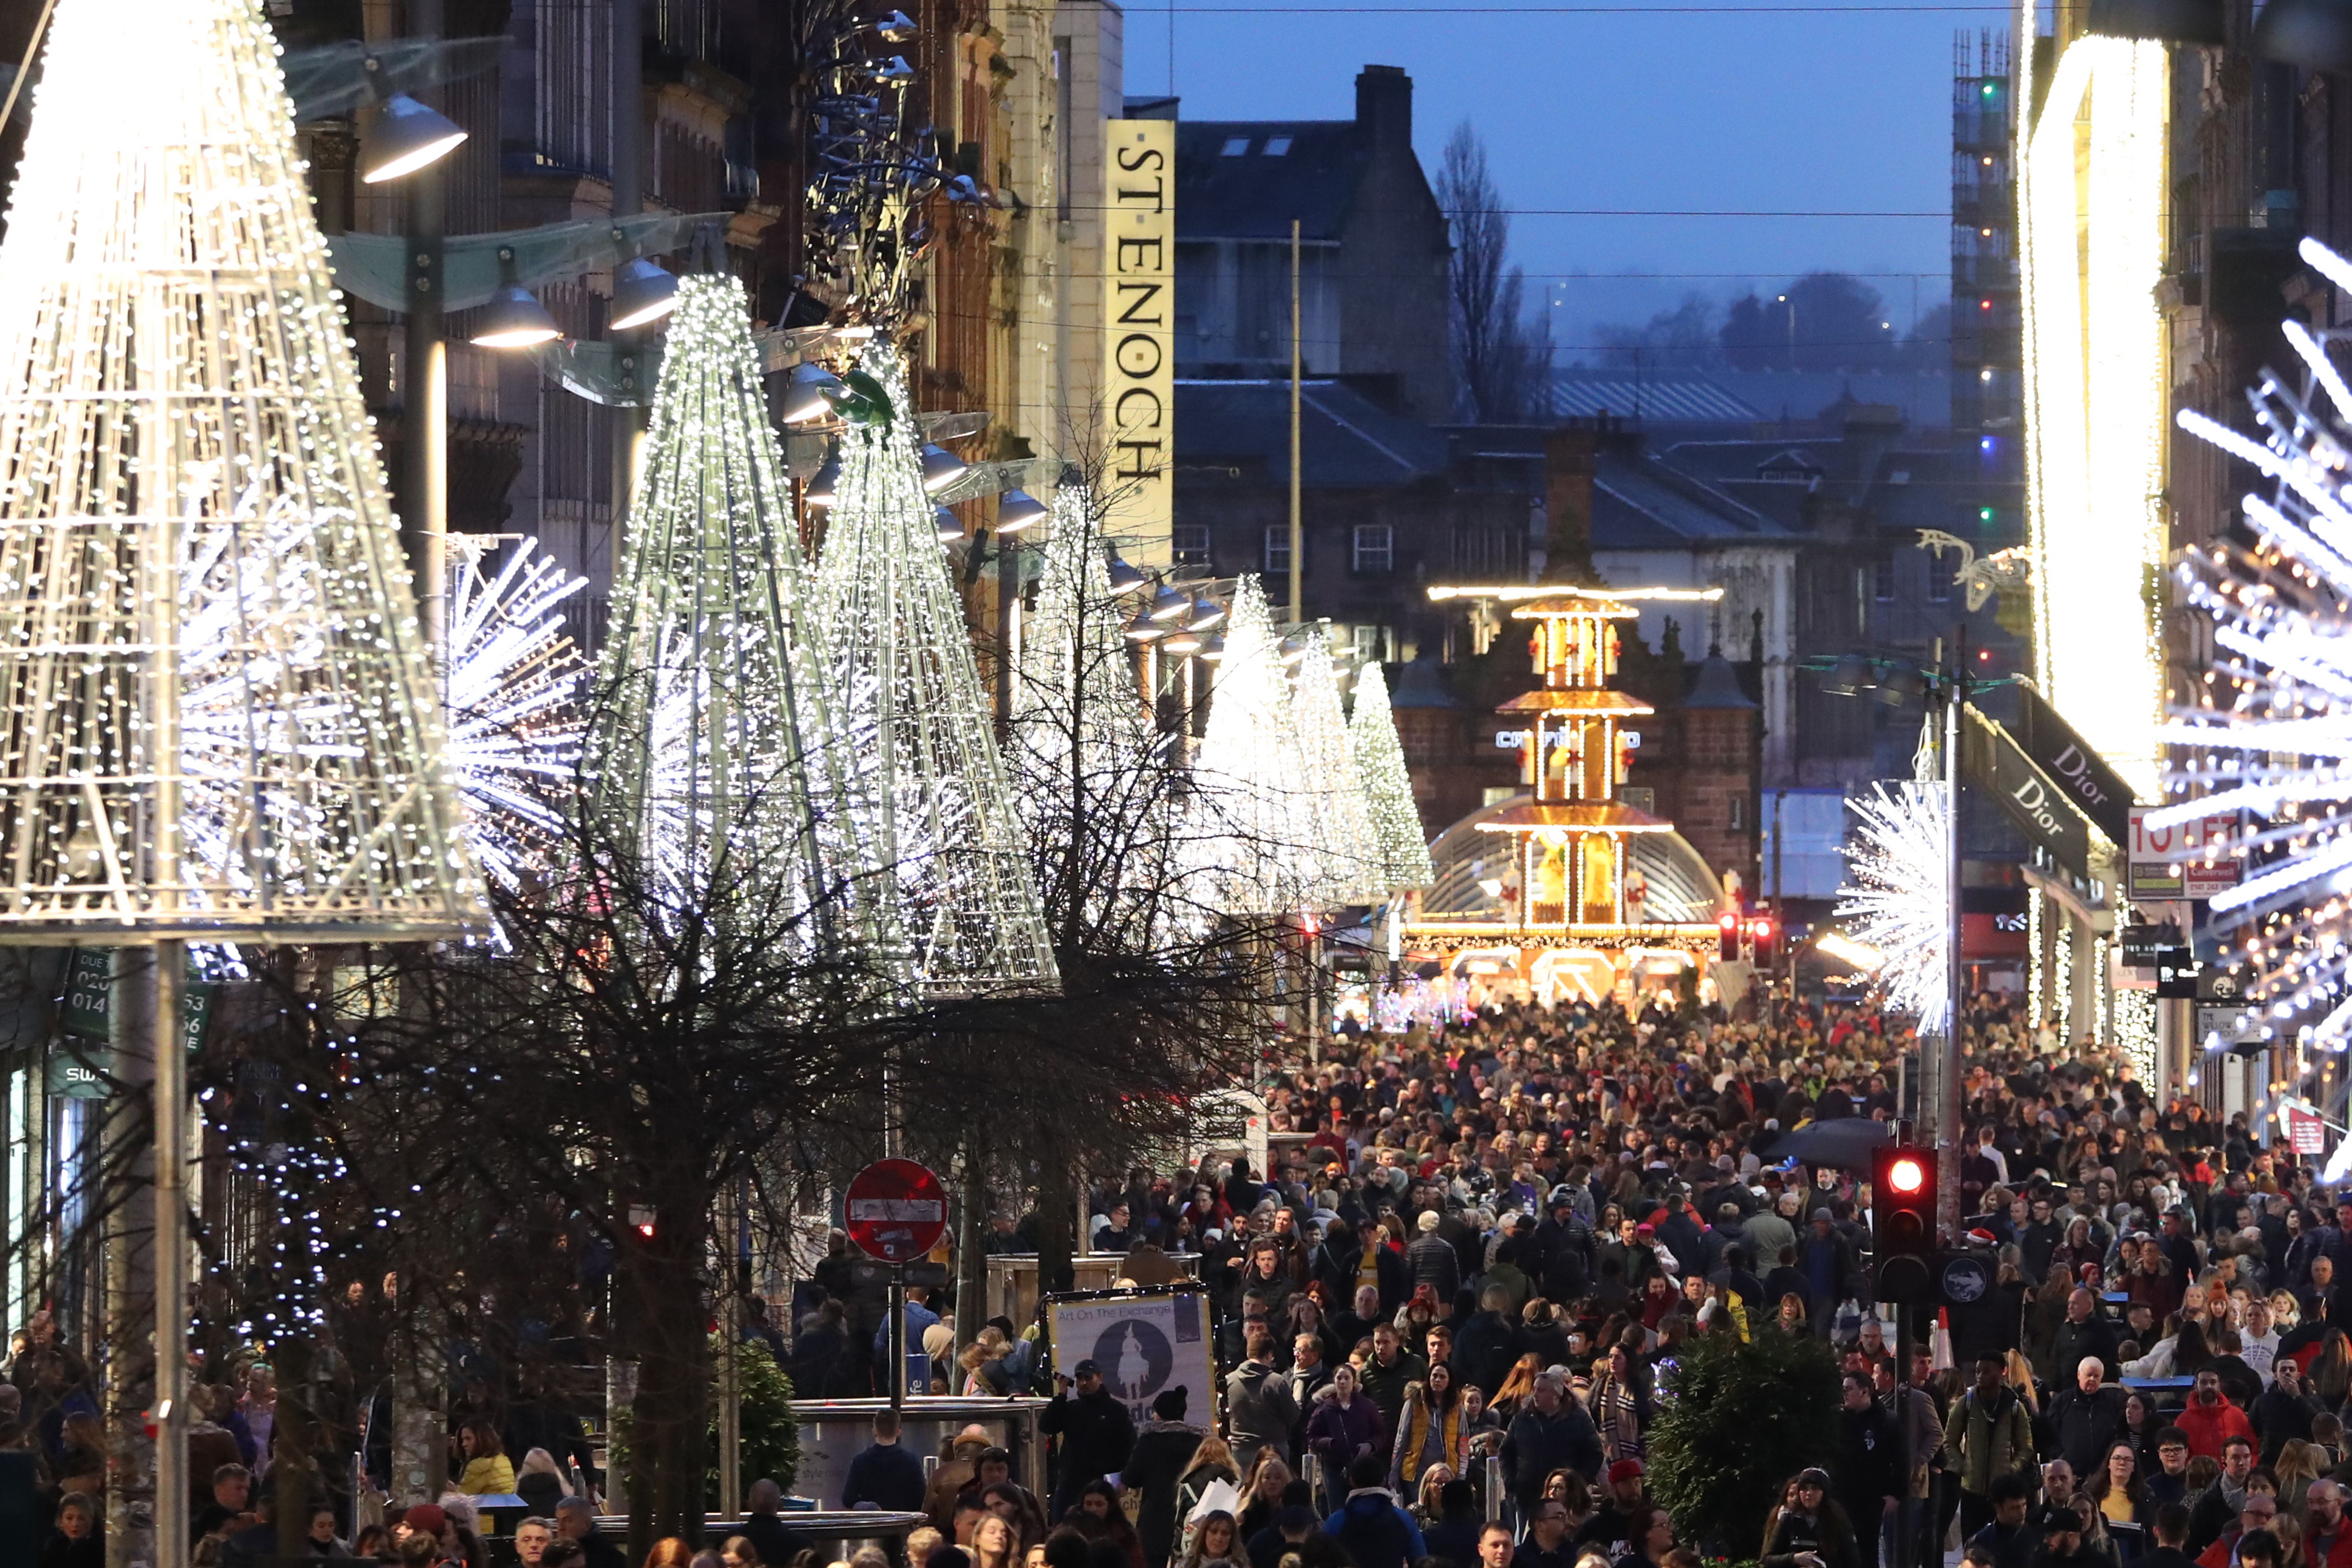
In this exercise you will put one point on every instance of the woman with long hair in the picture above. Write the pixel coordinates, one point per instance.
(2331, 1373)
(1518, 1387)
(1213, 1462)
(993, 1543)
(1216, 1543)
(2018, 1375)
(1428, 1505)
(2297, 1466)
(488, 1471)
(2120, 1498)
(1812, 1523)
(670, 1551)
(1429, 1430)
(1345, 1423)
(1261, 1490)
(1620, 1403)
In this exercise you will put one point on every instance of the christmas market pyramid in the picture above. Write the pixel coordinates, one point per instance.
(940, 819)
(712, 752)
(221, 717)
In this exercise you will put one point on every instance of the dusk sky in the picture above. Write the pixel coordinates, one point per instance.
(1724, 110)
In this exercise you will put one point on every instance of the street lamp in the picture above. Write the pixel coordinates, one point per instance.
(514, 319)
(1017, 509)
(643, 293)
(942, 468)
(405, 137)
(809, 394)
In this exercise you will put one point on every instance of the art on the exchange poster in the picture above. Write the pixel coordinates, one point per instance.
(1145, 1344)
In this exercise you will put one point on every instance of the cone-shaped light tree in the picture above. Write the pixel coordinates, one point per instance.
(937, 807)
(1335, 795)
(1254, 838)
(210, 640)
(1400, 853)
(712, 754)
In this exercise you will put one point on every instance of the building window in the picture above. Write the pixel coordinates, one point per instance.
(1277, 548)
(1369, 642)
(1236, 147)
(1939, 582)
(1738, 814)
(1188, 542)
(1375, 547)
(1882, 580)
(1277, 146)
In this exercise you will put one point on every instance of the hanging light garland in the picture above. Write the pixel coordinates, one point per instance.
(2267, 741)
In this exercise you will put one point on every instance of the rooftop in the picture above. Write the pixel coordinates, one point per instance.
(1345, 440)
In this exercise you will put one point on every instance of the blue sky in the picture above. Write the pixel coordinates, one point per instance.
(1799, 112)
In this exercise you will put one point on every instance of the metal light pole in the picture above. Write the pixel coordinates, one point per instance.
(425, 401)
(1945, 1111)
(1297, 522)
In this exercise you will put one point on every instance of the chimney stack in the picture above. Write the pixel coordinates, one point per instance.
(1384, 106)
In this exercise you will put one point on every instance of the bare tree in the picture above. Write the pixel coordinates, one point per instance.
(1502, 360)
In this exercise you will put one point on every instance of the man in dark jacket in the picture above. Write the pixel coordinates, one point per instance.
(1390, 1370)
(1162, 1450)
(885, 1475)
(1259, 1410)
(2087, 1417)
(1095, 1430)
(1433, 1260)
(1488, 1344)
(1375, 1531)
(1552, 1433)
(2084, 1333)
(1869, 1471)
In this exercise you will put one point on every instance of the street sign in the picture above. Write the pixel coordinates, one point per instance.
(2090, 783)
(2188, 860)
(894, 1210)
(2039, 804)
(1966, 1279)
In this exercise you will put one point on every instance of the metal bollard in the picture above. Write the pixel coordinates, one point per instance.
(1494, 1489)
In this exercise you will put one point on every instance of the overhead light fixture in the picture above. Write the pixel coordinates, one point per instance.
(2314, 33)
(406, 136)
(1206, 613)
(1184, 641)
(2168, 21)
(893, 71)
(1017, 509)
(1293, 647)
(897, 27)
(1851, 675)
(942, 468)
(951, 526)
(824, 481)
(1171, 607)
(809, 394)
(642, 293)
(514, 319)
(1126, 578)
(1904, 684)
(1213, 647)
(1143, 628)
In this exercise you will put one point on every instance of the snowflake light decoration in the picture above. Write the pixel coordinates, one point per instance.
(1898, 895)
(2269, 739)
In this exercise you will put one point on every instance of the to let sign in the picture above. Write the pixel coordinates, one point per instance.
(894, 1210)
(2186, 860)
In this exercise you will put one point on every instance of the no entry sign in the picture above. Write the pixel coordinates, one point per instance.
(896, 1210)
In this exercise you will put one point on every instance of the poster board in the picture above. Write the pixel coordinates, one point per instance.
(1147, 1341)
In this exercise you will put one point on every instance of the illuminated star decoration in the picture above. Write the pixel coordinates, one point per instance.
(1898, 898)
(2269, 739)
(514, 718)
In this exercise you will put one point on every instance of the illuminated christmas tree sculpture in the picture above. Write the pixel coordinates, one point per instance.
(1335, 794)
(1078, 712)
(194, 524)
(1253, 834)
(1401, 855)
(937, 807)
(712, 749)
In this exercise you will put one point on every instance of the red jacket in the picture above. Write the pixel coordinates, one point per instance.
(2339, 1551)
(2208, 1427)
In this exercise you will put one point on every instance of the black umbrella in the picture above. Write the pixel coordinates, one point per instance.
(1847, 1143)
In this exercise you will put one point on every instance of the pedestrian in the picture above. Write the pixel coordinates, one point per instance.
(1163, 1450)
(1552, 1433)
(1372, 1525)
(1989, 1433)
(1259, 1410)
(884, 1475)
(1429, 1430)
(1094, 1430)
(1812, 1531)
(1211, 1462)
(1343, 1426)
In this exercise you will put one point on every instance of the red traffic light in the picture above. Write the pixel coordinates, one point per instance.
(1907, 1175)
(1728, 922)
(1760, 928)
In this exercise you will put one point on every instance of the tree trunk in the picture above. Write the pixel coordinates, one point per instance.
(420, 1388)
(669, 1418)
(1056, 1225)
(294, 1469)
(971, 1261)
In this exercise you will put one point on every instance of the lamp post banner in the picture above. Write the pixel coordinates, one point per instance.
(2037, 802)
(2093, 786)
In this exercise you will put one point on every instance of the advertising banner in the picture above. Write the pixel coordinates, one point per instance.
(2186, 860)
(1145, 1343)
(2093, 786)
(1993, 762)
(1139, 336)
